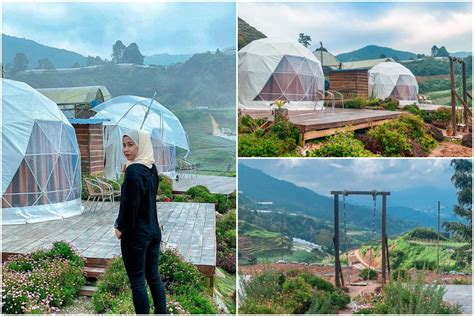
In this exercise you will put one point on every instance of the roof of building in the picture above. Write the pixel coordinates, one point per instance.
(86, 121)
(77, 95)
(326, 58)
(364, 64)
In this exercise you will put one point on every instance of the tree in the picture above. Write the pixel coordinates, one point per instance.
(45, 64)
(94, 61)
(304, 40)
(132, 55)
(434, 51)
(20, 63)
(462, 180)
(118, 51)
(442, 52)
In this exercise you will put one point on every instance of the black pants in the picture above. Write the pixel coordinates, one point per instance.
(141, 257)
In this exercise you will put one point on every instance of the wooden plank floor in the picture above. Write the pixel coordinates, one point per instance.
(307, 121)
(215, 184)
(188, 227)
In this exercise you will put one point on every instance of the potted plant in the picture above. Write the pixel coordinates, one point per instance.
(280, 111)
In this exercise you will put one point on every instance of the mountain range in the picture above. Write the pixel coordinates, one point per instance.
(288, 197)
(62, 58)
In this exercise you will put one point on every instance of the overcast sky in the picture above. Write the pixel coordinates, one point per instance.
(324, 175)
(344, 27)
(92, 28)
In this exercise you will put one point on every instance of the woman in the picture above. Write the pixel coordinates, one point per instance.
(137, 223)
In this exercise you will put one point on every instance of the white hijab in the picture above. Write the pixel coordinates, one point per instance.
(145, 148)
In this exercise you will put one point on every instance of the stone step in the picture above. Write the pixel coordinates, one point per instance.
(94, 272)
(87, 290)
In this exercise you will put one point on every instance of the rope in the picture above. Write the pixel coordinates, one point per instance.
(345, 233)
(374, 195)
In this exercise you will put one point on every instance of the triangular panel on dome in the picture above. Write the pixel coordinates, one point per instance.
(23, 180)
(295, 88)
(284, 80)
(306, 69)
(65, 163)
(295, 62)
(272, 86)
(39, 142)
(21, 199)
(284, 66)
(42, 167)
(67, 144)
(52, 130)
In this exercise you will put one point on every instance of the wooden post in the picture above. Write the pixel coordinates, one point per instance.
(337, 263)
(437, 244)
(384, 237)
(464, 97)
(453, 95)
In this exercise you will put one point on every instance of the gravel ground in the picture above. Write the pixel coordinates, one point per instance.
(81, 305)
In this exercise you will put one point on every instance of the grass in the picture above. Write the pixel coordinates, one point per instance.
(212, 154)
(224, 282)
(295, 256)
(421, 254)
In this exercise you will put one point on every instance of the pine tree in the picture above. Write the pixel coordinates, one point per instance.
(462, 180)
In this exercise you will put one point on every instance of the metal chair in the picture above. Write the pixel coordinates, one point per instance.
(107, 192)
(94, 191)
(112, 183)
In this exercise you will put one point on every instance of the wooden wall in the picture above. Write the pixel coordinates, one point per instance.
(350, 83)
(90, 139)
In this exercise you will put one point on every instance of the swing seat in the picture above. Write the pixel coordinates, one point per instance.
(362, 283)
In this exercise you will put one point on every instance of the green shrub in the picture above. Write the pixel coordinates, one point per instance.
(182, 281)
(400, 275)
(41, 282)
(376, 102)
(201, 194)
(368, 274)
(252, 145)
(182, 198)
(390, 104)
(318, 282)
(165, 187)
(280, 139)
(414, 298)
(341, 145)
(64, 250)
(394, 142)
(289, 293)
(298, 295)
(356, 103)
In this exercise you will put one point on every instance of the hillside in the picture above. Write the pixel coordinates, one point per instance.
(374, 52)
(415, 251)
(204, 80)
(247, 34)
(34, 51)
(166, 59)
(289, 198)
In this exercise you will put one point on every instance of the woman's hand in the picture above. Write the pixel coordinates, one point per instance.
(118, 233)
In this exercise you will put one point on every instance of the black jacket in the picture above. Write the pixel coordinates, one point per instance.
(138, 215)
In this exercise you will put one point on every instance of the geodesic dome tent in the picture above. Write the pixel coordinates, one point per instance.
(124, 113)
(41, 177)
(393, 79)
(271, 69)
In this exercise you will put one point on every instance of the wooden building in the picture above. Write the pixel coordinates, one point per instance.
(90, 136)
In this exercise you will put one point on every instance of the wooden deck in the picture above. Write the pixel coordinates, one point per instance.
(187, 227)
(316, 124)
(215, 184)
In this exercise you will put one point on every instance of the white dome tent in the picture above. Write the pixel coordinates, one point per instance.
(271, 69)
(41, 178)
(128, 112)
(393, 79)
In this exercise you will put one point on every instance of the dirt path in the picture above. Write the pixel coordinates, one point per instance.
(447, 149)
